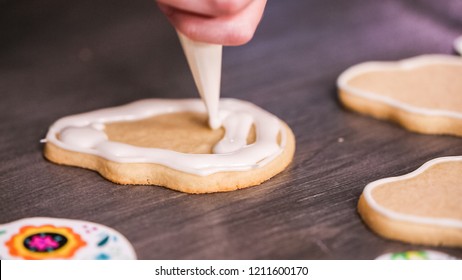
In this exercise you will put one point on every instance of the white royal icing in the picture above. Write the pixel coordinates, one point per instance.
(411, 63)
(205, 63)
(84, 133)
(458, 45)
(447, 222)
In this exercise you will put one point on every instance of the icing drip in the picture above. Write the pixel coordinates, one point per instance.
(237, 128)
(84, 133)
(205, 63)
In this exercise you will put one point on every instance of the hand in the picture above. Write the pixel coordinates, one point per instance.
(224, 22)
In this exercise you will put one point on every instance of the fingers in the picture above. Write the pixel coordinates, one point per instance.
(230, 29)
(208, 7)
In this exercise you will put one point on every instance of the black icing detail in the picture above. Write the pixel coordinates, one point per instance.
(44, 242)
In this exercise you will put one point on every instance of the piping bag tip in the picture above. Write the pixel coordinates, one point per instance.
(204, 60)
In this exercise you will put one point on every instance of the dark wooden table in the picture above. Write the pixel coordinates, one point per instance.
(64, 57)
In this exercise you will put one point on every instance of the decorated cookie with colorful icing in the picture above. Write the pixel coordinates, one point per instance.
(169, 143)
(49, 238)
(422, 207)
(423, 94)
(416, 255)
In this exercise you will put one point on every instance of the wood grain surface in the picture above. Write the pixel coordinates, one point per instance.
(64, 57)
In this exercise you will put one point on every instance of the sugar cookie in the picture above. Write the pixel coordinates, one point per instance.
(422, 207)
(423, 94)
(168, 143)
(49, 238)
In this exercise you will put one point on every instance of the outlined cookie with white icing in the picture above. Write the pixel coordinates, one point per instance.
(423, 94)
(168, 143)
(422, 207)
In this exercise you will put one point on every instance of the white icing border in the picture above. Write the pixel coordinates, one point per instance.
(458, 45)
(406, 64)
(247, 157)
(367, 192)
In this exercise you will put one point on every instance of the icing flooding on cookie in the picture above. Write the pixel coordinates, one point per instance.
(84, 133)
(454, 223)
(458, 45)
(406, 64)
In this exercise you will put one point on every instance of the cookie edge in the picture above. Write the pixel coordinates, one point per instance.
(407, 232)
(410, 117)
(177, 180)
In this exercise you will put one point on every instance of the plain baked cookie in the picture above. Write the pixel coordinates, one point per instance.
(423, 94)
(422, 207)
(168, 143)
